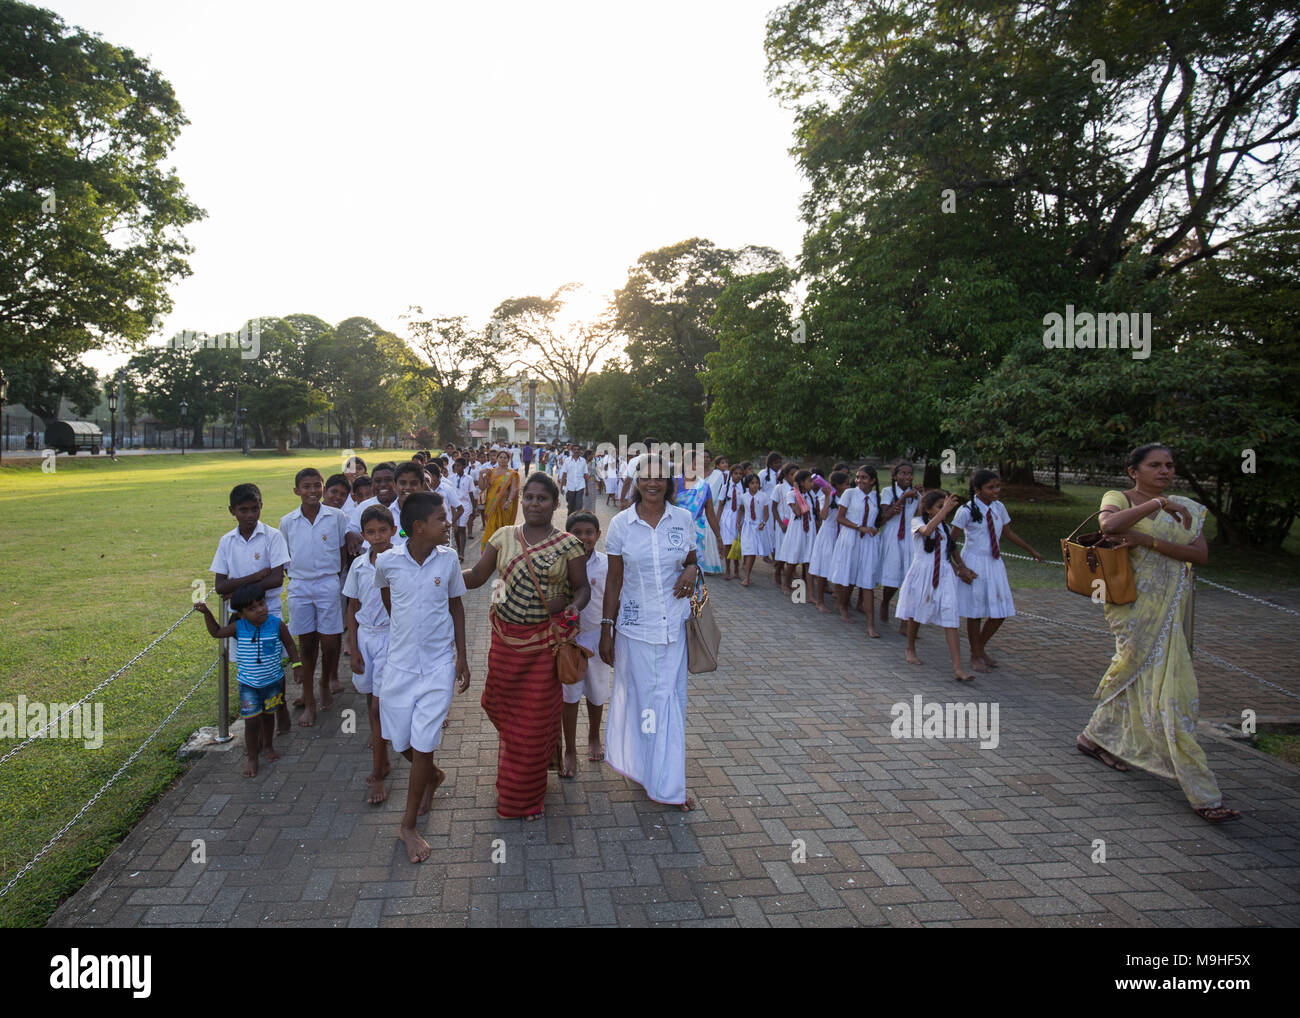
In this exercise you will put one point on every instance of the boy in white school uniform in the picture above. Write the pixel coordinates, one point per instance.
(254, 552)
(317, 538)
(421, 586)
(367, 636)
(464, 484)
(595, 686)
(575, 481)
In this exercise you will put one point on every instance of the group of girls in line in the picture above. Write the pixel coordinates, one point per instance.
(846, 532)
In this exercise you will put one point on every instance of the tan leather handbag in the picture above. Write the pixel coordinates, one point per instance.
(570, 658)
(703, 637)
(1096, 557)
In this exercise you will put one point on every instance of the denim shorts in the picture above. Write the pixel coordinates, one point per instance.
(255, 701)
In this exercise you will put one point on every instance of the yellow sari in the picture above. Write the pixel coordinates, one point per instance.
(1149, 698)
(495, 513)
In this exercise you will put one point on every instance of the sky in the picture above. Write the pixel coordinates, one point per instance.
(356, 159)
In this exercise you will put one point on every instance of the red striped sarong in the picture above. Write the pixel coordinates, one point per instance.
(522, 697)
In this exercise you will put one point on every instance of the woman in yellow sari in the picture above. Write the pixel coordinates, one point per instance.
(1149, 698)
(500, 497)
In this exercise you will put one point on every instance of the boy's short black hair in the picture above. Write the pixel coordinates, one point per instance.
(338, 479)
(419, 506)
(306, 472)
(409, 467)
(242, 493)
(435, 468)
(376, 512)
(356, 461)
(247, 596)
(581, 517)
(360, 480)
(461, 461)
(388, 465)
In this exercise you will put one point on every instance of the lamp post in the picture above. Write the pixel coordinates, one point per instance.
(243, 428)
(532, 411)
(112, 421)
(184, 409)
(4, 397)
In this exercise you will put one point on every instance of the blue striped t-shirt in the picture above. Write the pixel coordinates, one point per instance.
(258, 652)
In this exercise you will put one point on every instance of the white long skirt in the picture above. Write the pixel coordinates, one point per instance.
(797, 543)
(856, 561)
(823, 552)
(645, 739)
(895, 555)
(920, 600)
(989, 596)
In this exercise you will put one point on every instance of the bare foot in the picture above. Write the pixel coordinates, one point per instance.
(250, 767)
(372, 776)
(744, 583)
(378, 790)
(283, 727)
(271, 754)
(912, 659)
(963, 678)
(988, 660)
(978, 665)
(688, 805)
(871, 630)
(570, 765)
(595, 751)
(308, 717)
(727, 576)
(884, 614)
(439, 776)
(844, 615)
(336, 686)
(862, 608)
(326, 697)
(298, 701)
(822, 608)
(902, 629)
(417, 849)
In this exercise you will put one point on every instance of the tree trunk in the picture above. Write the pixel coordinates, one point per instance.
(1016, 473)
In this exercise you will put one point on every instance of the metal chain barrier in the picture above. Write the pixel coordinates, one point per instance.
(117, 674)
(109, 783)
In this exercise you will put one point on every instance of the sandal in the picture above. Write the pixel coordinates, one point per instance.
(1217, 814)
(1097, 753)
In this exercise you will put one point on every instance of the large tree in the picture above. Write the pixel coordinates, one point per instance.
(453, 362)
(90, 218)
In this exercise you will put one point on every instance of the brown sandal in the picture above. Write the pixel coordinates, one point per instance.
(1097, 753)
(1217, 814)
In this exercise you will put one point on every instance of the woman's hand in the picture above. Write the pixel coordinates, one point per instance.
(556, 605)
(950, 503)
(686, 581)
(462, 675)
(606, 647)
(1135, 539)
(1179, 512)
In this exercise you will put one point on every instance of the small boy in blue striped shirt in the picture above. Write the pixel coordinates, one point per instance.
(260, 642)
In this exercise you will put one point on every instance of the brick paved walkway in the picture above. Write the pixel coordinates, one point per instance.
(789, 749)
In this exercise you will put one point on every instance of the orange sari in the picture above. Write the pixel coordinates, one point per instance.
(495, 513)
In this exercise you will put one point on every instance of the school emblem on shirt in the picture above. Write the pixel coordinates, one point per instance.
(437, 581)
(677, 537)
(257, 554)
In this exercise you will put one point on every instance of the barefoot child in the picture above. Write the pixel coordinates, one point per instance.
(367, 636)
(317, 539)
(755, 518)
(857, 549)
(898, 505)
(823, 553)
(928, 593)
(421, 587)
(985, 523)
(801, 529)
(596, 685)
(260, 640)
(252, 553)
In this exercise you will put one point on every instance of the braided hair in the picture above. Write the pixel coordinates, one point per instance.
(978, 480)
(932, 497)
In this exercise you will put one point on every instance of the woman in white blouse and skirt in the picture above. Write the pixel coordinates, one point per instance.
(652, 572)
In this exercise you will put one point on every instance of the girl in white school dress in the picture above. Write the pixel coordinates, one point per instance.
(857, 548)
(611, 478)
(898, 508)
(728, 516)
(928, 595)
(755, 512)
(985, 523)
(781, 516)
(800, 529)
(823, 553)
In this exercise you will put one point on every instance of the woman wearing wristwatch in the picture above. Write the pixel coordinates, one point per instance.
(1148, 695)
(652, 571)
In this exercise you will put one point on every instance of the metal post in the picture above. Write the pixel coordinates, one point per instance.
(223, 690)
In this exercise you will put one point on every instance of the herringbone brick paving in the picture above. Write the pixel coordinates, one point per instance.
(810, 813)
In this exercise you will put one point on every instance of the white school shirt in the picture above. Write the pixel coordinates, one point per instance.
(465, 488)
(760, 502)
(264, 549)
(361, 585)
(652, 561)
(314, 546)
(859, 507)
(769, 479)
(450, 497)
(590, 616)
(779, 501)
(354, 519)
(422, 636)
(575, 474)
(715, 481)
(890, 527)
(977, 534)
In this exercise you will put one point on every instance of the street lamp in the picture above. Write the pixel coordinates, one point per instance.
(184, 408)
(112, 418)
(4, 397)
(532, 411)
(243, 428)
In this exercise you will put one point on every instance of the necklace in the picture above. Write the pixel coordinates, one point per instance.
(525, 542)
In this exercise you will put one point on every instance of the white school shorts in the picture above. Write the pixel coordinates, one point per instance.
(372, 642)
(418, 725)
(314, 607)
(594, 685)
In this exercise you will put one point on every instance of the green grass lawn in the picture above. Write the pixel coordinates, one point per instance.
(98, 558)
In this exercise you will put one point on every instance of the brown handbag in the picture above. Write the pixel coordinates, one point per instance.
(1096, 557)
(570, 658)
(703, 637)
